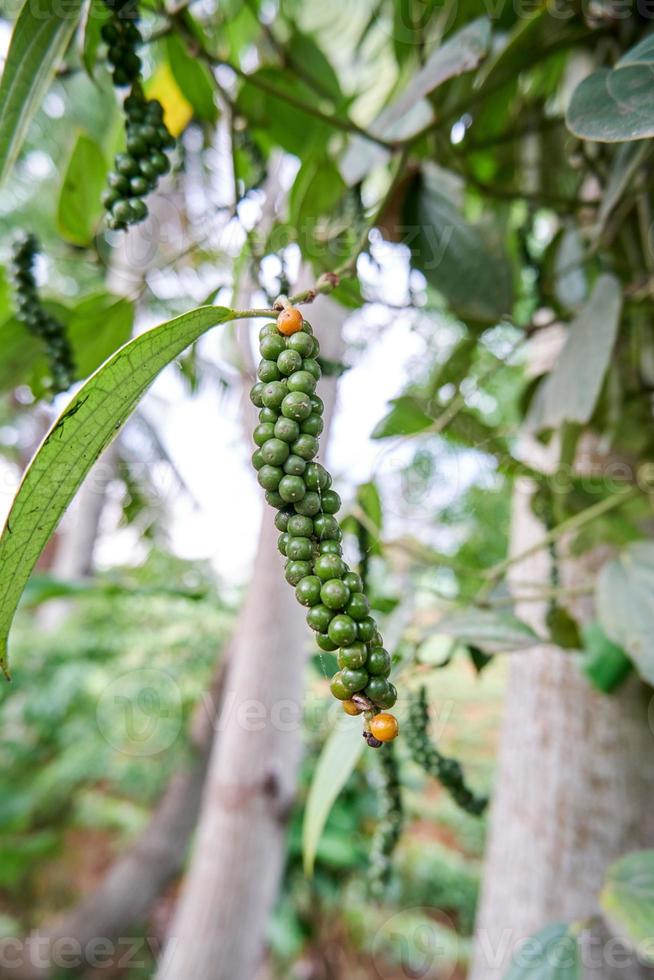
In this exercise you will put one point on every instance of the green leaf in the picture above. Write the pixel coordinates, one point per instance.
(19, 353)
(98, 325)
(193, 79)
(86, 427)
(266, 100)
(94, 15)
(489, 630)
(39, 39)
(337, 761)
(624, 599)
(316, 190)
(570, 392)
(461, 52)
(410, 112)
(405, 418)
(563, 628)
(550, 954)
(604, 664)
(616, 105)
(627, 900)
(80, 206)
(454, 256)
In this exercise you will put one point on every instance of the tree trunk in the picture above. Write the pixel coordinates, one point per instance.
(218, 930)
(575, 785)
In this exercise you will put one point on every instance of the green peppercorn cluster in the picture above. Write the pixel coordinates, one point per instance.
(447, 771)
(38, 321)
(290, 422)
(137, 170)
(391, 820)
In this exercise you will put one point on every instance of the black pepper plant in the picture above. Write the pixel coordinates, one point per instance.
(137, 170)
(300, 489)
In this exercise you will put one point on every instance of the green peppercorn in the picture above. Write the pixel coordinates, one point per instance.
(319, 618)
(286, 429)
(272, 346)
(295, 571)
(302, 381)
(295, 466)
(282, 543)
(330, 566)
(330, 547)
(263, 432)
(379, 662)
(338, 687)
(288, 362)
(302, 343)
(309, 506)
(270, 477)
(291, 488)
(274, 500)
(331, 502)
(300, 526)
(385, 698)
(317, 405)
(257, 459)
(353, 656)
(354, 680)
(300, 549)
(306, 447)
(275, 452)
(312, 426)
(326, 528)
(308, 591)
(274, 394)
(317, 477)
(335, 594)
(325, 644)
(358, 607)
(282, 519)
(366, 629)
(268, 414)
(268, 371)
(342, 630)
(256, 393)
(295, 405)
(311, 365)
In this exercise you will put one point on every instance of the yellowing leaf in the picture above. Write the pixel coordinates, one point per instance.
(178, 111)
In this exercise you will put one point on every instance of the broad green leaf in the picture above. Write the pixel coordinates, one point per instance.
(627, 900)
(405, 418)
(616, 105)
(410, 112)
(338, 758)
(316, 65)
(317, 189)
(550, 954)
(193, 79)
(454, 255)
(86, 427)
(39, 39)
(570, 285)
(94, 15)
(460, 53)
(624, 599)
(604, 664)
(80, 206)
(19, 353)
(488, 629)
(98, 325)
(276, 118)
(570, 392)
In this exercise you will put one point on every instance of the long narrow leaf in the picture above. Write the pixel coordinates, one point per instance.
(85, 427)
(39, 40)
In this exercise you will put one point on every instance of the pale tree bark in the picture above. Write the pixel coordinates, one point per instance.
(574, 786)
(218, 930)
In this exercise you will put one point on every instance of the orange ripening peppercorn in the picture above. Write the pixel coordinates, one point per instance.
(351, 708)
(289, 321)
(384, 727)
